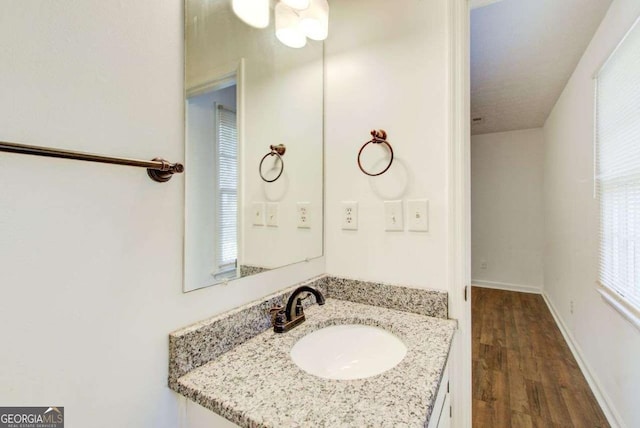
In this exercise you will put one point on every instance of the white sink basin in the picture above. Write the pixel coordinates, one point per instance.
(348, 352)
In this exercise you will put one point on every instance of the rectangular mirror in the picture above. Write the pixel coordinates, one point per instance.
(253, 147)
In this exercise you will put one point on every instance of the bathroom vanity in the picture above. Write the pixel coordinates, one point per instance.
(236, 366)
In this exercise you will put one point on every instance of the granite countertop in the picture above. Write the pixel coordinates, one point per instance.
(256, 384)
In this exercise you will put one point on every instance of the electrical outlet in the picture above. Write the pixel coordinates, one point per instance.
(272, 215)
(304, 215)
(393, 218)
(350, 215)
(257, 213)
(418, 215)
(571, 306)
(484, 264)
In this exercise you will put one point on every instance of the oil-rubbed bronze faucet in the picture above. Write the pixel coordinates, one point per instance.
(284, 320)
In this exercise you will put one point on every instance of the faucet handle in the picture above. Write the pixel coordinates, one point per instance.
(274, 312)
(280, 320)
(299, 307)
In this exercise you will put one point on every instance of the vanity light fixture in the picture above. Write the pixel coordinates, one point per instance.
(253, 12)
(315, 20)
(297, 4)
(288, 29)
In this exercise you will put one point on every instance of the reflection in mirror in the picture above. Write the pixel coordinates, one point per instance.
(213, 198)
(254, 127)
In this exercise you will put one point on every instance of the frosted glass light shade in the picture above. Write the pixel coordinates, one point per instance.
(315, 20)
(288, 29)
(252, 12)
(297, 4)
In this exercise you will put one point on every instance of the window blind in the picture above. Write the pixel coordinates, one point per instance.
(227, 189)
(618, 168)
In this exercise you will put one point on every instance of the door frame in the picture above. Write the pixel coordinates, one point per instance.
(459, 195)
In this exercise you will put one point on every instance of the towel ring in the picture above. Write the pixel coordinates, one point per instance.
(279, 151)
(379, 137)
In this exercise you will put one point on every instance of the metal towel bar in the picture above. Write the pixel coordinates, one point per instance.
(158, 169)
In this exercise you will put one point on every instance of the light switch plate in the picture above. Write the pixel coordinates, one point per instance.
(418, 215)
(304, 215)
(393, 218)
(350, 215)
(257, 213)
(272, 214)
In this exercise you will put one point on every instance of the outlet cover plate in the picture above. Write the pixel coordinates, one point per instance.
(304, 215)
(349, 215)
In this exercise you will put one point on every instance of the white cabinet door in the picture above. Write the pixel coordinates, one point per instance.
(440, 415)
(445, 416)
(196, 416)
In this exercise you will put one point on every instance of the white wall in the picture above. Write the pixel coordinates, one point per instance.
(390, 65)
(386, 68)
(90, 254)
(609, 345)
(506, 209)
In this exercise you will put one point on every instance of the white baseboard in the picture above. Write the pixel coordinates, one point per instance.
(603, 399)
(506, 286)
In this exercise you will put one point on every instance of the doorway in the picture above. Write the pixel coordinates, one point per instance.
(524, 373)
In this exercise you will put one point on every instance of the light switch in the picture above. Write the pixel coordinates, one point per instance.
(272, 215)
(350, 215)
(257, 213)
(418, 215)
(393, 219)
(304, 215)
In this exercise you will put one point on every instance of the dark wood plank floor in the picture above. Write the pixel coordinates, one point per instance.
(524, 374)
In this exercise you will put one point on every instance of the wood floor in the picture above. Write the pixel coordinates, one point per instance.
(524, 374)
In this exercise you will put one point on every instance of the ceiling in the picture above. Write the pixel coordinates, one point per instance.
(522, 55)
